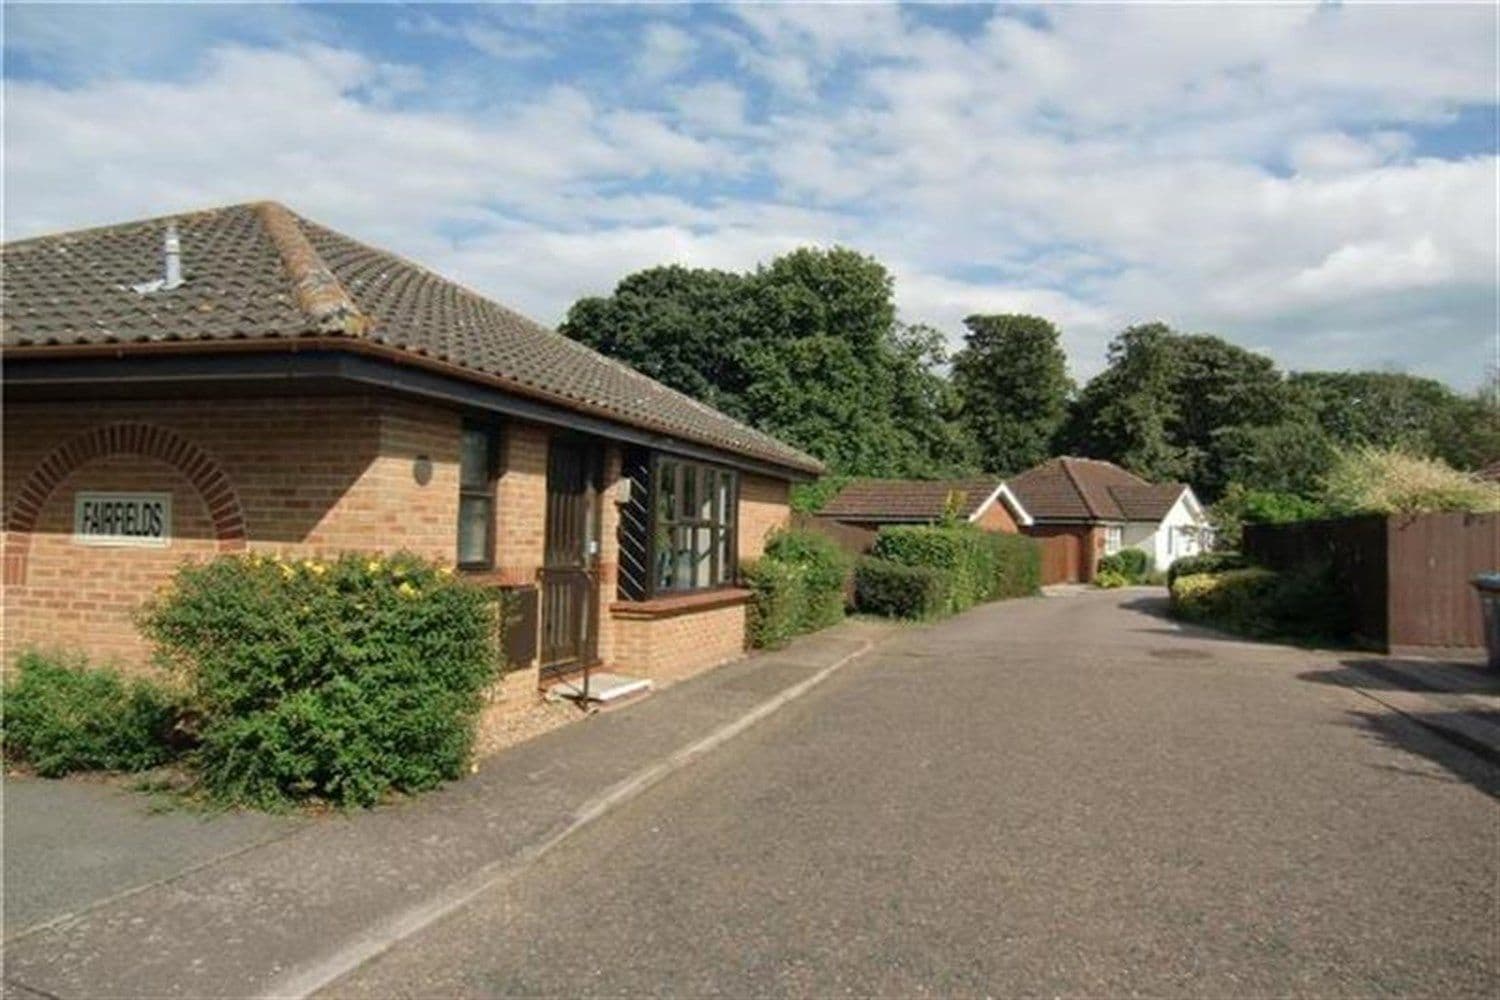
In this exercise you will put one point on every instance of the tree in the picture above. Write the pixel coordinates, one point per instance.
(1379, 409)
(1012, 382)
(1162, 405)
(1468, 435)
(806, 348)
(685, 327)
(1125, 412)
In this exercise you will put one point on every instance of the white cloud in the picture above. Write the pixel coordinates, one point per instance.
(665, 51)
(1255, 170)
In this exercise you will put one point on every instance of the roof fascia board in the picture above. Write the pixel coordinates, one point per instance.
(249, 367)
(1017, 509)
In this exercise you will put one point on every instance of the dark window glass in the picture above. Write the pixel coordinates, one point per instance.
(476, 498)
(693, 533)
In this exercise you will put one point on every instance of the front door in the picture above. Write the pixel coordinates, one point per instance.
(570, 579)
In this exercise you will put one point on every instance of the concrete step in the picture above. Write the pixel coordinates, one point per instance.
(604, 687)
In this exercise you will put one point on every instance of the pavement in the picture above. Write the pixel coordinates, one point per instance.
(1044, 796)
(273, 906)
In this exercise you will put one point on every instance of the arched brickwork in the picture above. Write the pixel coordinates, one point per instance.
(147, 440)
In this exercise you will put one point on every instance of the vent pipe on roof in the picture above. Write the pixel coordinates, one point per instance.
(171, 266)
(172, 248)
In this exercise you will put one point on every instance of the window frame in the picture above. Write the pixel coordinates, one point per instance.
(1114, 538)
(722, 524)
(486, 492)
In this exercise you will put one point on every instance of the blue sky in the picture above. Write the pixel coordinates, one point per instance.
(1315, 182)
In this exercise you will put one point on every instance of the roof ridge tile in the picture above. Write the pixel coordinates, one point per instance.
(320, 295)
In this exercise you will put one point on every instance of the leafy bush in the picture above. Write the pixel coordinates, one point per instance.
(1306, 603)
(809, 498)
(978, 565)
(883, 587)
(1240, 506)
(61, 716)
(1377, 481)
(1207, 562)
(1236, 599)
(1017, 565)
(1131, 565)
(340, 680)
(826, 570)
(779, 604)
(1110, 579)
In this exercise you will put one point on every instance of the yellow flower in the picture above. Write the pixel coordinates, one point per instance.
(406, 589)
(318, 569)
(373, 566)
(286, 570)
(445, 571)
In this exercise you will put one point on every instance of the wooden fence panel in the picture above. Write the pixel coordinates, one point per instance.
(1433, 558)
(1407, 576)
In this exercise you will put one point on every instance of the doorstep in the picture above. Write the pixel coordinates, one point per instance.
(603, 687)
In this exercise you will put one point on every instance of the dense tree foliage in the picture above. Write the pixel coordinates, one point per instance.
(1012, 383)
(807, 348)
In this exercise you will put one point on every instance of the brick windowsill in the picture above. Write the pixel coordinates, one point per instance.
(680, 604)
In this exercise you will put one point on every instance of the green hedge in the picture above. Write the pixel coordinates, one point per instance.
(826, 569)
(62, 716)
(977, 565)
(1132, 565)
(779, 603)
(339, 680)
(883, 587)
(799, 585)
(1305, 604)
(1208, 562)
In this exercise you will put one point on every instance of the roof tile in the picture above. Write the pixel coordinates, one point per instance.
(259, 271)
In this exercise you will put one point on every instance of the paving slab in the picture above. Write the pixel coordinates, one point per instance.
(72, 844)
(251, 922)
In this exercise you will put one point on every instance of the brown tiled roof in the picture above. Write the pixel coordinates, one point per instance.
(260, 272)
(1086, 489)
(908, 499)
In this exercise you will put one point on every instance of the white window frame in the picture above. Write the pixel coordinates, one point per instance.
(1114, 538)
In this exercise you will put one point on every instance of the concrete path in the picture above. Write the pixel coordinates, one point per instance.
(1057, 795)
(283, 917)
(1045, 797)
(72, 844)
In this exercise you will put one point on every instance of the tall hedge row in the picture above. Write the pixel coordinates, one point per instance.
(798, 586)
(975, 566)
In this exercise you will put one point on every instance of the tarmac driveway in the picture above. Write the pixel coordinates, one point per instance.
(1067, 795)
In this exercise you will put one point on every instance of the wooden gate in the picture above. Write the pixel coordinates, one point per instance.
(570, 578)
(1062, 558)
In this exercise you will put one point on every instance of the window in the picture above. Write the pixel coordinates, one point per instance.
(1114, 539)
(476, 498)
(693, 545)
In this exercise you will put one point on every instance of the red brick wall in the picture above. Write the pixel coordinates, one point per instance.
(310, 476)
(314, 475)
(765, 505)
(671, 648)
(996, 517)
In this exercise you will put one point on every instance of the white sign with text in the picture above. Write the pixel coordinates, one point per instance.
(122, 519)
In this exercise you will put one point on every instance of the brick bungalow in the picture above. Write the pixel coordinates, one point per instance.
(867, 505)
(1084, 509)
(245, 379)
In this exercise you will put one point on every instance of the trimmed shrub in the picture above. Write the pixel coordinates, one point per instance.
(1131, 565)
(1236, 599)
(338, 680)
(1306, 603)
(779, 605)
(62, 715)
(978, 565)
(1018, 565)
(1208, 562)
(1109, 579)
(883, 587)
(826, 569)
